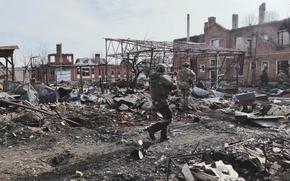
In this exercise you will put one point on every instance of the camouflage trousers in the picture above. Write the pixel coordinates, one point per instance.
(163, 108)
(185, 95)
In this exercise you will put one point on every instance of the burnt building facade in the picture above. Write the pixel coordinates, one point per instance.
(266, 45)
(97, 68)
(60, 66)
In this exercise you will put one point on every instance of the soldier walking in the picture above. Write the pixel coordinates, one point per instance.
(160, 87)
(186, 80)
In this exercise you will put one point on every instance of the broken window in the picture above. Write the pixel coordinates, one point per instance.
(202, 68)
(242, 43)
(52, 59)
(212, 75)
(212, 62)
(283, 66)
(264, 65)
(283, 37)
(69, 58)
(86, 71)
(266, 37)
(215, 42)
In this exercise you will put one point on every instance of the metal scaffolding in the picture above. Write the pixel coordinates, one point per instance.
(7, 67)
(128, 49)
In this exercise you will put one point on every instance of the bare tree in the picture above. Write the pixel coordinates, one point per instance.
(43, 52)
(250, 19)
(271, 16)
(135, 66)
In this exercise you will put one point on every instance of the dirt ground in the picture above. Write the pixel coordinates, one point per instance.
(102, 150)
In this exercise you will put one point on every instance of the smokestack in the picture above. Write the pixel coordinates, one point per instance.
(235, 21)
(188, 27)
(58, 49)
(98, 58)
(262, 10)
(211, 20)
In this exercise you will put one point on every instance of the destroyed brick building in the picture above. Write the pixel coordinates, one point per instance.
(60, 65)
(97, 68)
(266, 45)
(69, 118)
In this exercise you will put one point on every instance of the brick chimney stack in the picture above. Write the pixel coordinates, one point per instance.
(59, 49)
(235, 21)
(98, 58)
(262, 10)
(205, 26)
(211, 20)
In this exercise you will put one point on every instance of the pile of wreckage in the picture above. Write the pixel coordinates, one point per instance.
(61, 107)
(269, 109)
(263, 159)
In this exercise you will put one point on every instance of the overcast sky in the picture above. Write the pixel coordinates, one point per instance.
(81, 25)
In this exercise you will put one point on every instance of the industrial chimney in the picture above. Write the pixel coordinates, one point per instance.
(58, 49)
(98, 58)
(235, 21)
(188, 27)
(262, 10)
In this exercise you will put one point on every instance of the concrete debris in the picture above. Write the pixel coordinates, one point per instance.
(106, 131)
(263, 121)
(245, 98)
(46, 94)
(217, 171)
(187, 173)
(27, 92)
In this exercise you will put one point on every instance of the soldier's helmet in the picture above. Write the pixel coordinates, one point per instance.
(160, 68)
(185, 64)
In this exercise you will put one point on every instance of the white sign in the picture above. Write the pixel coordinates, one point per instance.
(63, 75)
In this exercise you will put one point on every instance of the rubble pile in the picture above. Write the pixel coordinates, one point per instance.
(251, 160)
(88, 122)
(13, 132)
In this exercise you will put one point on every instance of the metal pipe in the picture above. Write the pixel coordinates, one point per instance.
(34, 109)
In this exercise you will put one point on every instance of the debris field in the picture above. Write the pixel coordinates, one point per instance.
(92, 136)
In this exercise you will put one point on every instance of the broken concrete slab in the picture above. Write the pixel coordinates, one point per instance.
(28, 93)
(245, 98)
(263, 121)
(217, 171)
(187, 173)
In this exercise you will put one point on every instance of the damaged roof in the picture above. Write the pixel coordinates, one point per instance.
(9, 47)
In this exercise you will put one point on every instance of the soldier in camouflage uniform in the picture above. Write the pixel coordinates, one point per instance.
(186, 79)
(160, 87)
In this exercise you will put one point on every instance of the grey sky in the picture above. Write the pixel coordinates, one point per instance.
(81, 25)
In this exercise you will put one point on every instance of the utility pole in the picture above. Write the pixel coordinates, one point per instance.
(217, 70)
(81, 78)
(188, 34)
(254, 63)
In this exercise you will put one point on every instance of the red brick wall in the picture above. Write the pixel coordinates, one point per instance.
(265, 51)
(114, 72)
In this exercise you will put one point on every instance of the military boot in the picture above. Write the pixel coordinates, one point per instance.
(163, 135)
(152, 130)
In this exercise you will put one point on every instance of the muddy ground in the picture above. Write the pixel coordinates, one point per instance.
(102, 149)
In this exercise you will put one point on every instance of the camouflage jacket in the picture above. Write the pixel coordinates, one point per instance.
(186, 78)
(160, 87)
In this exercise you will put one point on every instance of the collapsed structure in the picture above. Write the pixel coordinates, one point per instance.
(74, 130)
(8, 67)
(144, 55)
